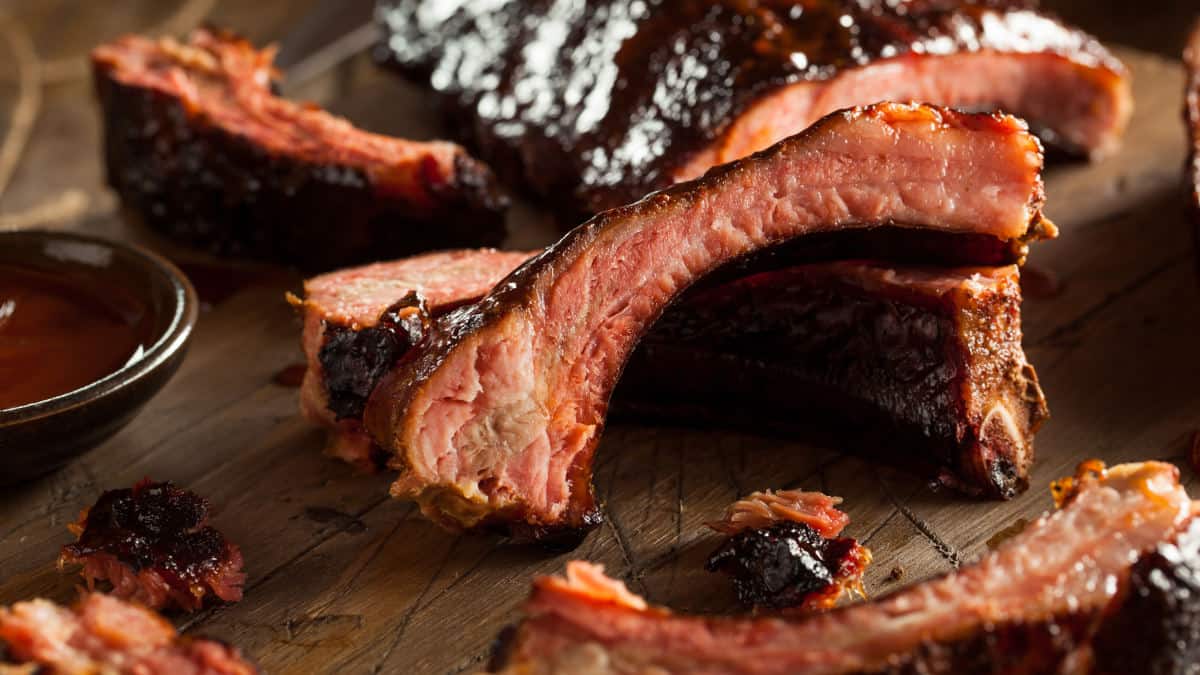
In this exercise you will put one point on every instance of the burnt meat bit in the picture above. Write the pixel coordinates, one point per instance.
(153, 544)
(1156, 630)
(355, 360)
(787, 565)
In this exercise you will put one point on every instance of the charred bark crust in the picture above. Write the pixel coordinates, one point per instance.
(215, 190)
(354, 360)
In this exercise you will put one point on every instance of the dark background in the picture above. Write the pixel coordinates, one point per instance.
(1158, 25)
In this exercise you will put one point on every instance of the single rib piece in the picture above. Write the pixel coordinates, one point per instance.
(154, 545)
(1191, 59)
(596, 103)
(197, 143)
(1122, 552)
(346, 349)
(102, 634)
(921, 368)
(497, 419)
(924, 363)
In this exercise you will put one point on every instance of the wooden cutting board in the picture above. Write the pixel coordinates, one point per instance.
(343, 579)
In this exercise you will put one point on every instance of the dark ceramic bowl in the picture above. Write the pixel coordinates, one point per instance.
(39, 437)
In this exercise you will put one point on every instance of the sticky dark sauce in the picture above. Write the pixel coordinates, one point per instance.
(59, 333)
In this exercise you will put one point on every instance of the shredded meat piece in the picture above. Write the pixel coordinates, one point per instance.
(763, 509)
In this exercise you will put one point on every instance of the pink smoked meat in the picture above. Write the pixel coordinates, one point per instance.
(1107, 585)
(496, 420)
(102, 635)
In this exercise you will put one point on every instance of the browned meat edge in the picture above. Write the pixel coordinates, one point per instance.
(198, 146)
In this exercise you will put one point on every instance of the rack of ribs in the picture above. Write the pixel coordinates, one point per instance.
(594, 104)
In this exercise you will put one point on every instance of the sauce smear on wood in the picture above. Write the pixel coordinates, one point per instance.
(58, 334)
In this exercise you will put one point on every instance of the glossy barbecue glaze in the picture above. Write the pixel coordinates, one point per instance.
(1076, 592)
(59, 333)
(599, 101)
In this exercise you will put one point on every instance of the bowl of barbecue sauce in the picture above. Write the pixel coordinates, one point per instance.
(90, 330)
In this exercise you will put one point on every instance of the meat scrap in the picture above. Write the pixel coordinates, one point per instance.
(495, 421)
(595, 104)
(153, 545)
(197, 143)
(783, 551)
(1106, 586)
(101, 634)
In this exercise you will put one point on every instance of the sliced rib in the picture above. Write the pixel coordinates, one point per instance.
(1122, 552)
(197, 143)
(496, 420)
(595, 104)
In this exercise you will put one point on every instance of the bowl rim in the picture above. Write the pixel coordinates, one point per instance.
(175, 337)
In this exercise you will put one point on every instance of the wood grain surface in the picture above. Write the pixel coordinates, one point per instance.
(343, 579)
